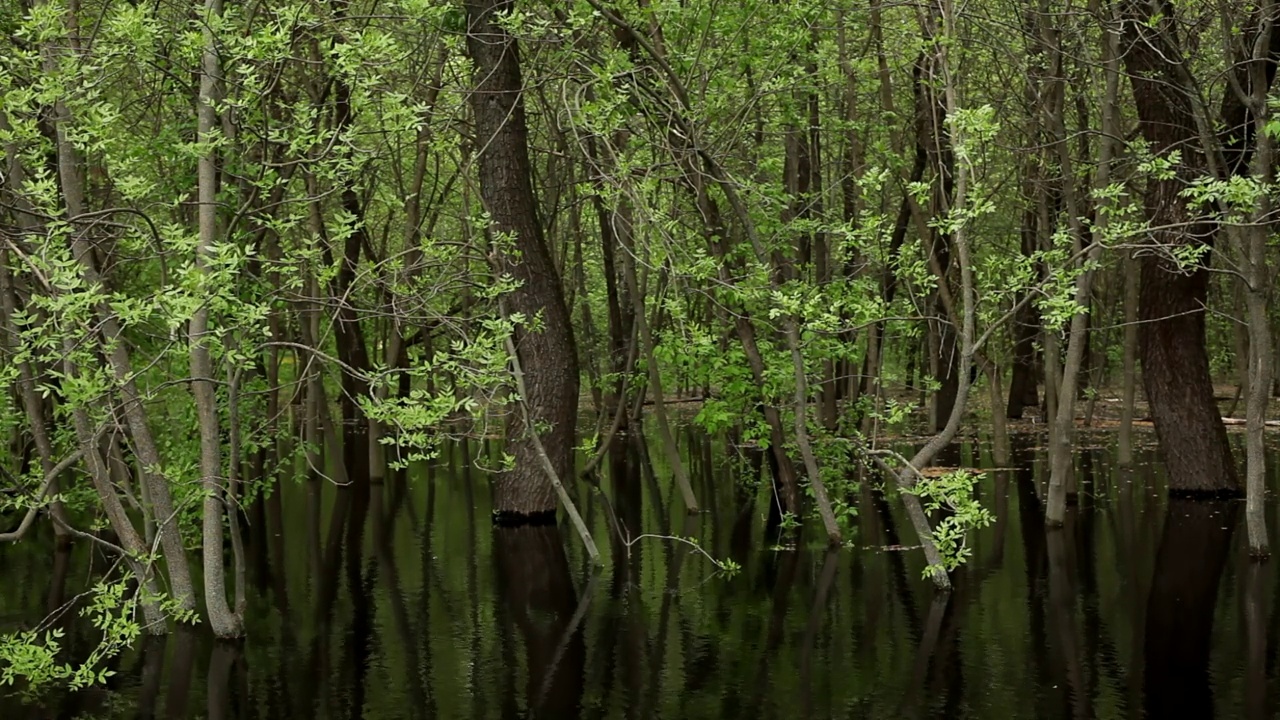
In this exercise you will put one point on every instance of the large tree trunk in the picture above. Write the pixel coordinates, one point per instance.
(1171, 302)
(547, 354)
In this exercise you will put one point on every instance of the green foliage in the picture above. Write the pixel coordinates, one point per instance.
(952, 493)
(349, 210)
(35, 658)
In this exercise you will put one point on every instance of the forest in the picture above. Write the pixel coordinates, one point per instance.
(882, 283)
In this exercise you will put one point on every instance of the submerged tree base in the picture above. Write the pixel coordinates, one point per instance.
(1196, 494)
(514, 519)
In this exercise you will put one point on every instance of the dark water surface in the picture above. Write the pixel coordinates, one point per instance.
(401, 600)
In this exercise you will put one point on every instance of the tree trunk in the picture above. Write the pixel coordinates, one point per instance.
(1171, 299)
(932, 123)
(519, 250)
(999, 424)
(1062, 430)
(136, 552)
(613, 224)
(669, 447)
(1024, 389)
(222, 620)
(1129, 375)
(1259, 395)
(965, 317)
(33, 404)
(1252, 251)
(116, 351)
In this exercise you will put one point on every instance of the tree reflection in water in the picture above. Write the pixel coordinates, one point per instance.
(399, 599)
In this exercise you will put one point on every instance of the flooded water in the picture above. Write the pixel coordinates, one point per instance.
(401, 600)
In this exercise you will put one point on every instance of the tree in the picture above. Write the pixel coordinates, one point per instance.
(224, 621)
(1174, 272)
(544, 339)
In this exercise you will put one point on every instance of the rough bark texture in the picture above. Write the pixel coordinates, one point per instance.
(1171, 302)
(547, 351)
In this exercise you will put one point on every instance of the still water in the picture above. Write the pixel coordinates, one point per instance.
(400, 600)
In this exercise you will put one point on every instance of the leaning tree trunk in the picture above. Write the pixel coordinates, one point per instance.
(669, 445)
(113, 347)
(1171, 299)
(32, 402)
(547, 355)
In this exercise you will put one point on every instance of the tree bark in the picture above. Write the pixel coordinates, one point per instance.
(1171, 301)
(1251, 249)
(115, 350)
(1062, 430)
(1024, 386)
(999, 423)
(222, 620)
(33, 405)
(620, 308)
(1129, 374)
(669, 447)
(547, 352)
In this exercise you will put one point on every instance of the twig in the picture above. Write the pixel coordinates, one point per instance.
(718, 563)
(49, 477)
